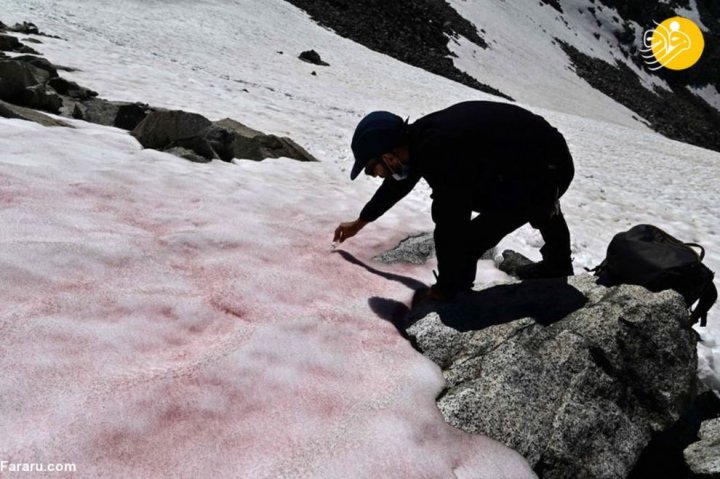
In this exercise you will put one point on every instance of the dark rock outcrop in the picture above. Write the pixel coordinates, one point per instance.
(16, 76)
(416, 33)
(416, 249)
(24, 84)
(42, 98)
(678, 114)
(71, 89)
(553, 3)
(38, 62)
(311, 56)
(162, 128)
(664, 456)
(251, 144)
(165, 130)
(512, 261)
(123, 115)
(187, 154)
(33, 81)
(9, 43)
(26, 27)
(8, 110)
(703, 457)
(574, 376)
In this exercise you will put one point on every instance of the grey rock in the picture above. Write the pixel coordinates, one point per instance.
(9, 43)
(162, 130)
(24, 84)
(129, 115)
(123, 115)
(221, 141)
(71, 89)
(27, 28)
(663, 457)
(416, 249)
(254, 145)
(27, 49)
(96, 110)
(311, 56)
(41, 98)
(66, 69)
(187, 154)
(271, 146)
(16, 77)
(574, 376)
(8, 110)
(38, 62)
(238, 128)
(703, 457)
(512, 261)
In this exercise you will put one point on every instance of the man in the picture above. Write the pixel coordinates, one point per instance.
(497, 159)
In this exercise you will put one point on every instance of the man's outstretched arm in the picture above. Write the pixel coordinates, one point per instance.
(348, 230)
(389, 193)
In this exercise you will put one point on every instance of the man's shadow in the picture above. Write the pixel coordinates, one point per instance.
(544, 300)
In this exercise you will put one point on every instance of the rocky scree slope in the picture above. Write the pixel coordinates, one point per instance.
(677, 113)
(414, 32)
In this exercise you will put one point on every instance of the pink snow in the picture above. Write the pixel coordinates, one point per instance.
(161, 318)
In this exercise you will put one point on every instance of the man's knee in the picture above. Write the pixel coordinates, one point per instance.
(541, 215)
(488, 230)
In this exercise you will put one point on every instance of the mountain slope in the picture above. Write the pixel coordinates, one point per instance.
(161, 317)
(542, 53)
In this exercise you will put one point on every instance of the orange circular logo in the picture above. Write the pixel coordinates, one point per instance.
(677, 44)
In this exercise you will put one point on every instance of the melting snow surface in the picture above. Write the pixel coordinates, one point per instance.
(167, 318)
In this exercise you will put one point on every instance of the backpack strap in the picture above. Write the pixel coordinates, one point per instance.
(707, 299)
(597, 268)
(702, 250)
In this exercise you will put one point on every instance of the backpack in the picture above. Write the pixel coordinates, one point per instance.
(647, 256)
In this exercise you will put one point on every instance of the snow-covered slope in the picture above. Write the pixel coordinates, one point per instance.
(165, 318)
(528, 58)
(530, 65)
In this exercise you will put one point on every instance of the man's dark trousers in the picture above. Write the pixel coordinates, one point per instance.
(538, 206)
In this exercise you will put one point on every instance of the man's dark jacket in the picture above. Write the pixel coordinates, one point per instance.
(488, 157)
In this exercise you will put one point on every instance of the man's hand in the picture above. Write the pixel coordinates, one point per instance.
(348, 230)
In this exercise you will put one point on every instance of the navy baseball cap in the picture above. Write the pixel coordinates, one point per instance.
(379, 132)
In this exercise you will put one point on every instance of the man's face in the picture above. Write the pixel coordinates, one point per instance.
(383, 167)
(377, 168)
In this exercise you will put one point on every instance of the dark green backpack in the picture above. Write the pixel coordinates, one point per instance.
(647, 256)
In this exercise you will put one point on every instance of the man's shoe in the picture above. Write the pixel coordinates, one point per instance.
(543, 269)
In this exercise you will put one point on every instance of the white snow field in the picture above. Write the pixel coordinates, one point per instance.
(161, 318)
(525, 62)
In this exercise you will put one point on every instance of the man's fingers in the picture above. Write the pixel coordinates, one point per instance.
(345, 231)
(340, 234)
